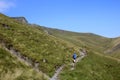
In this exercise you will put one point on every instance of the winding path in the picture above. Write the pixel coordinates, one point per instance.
(82, 55)
(58, 71)
(27, 62)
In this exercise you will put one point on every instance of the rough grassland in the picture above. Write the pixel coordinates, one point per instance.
(12, 69)
(93, 67)
(35, 44)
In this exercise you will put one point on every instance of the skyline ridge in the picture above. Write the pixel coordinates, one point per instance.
(94, 16)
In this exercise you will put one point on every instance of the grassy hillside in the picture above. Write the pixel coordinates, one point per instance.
(109, 46)
(35, 44)
(93, 67)
(51, 48)
(94, 42)
(12, 69)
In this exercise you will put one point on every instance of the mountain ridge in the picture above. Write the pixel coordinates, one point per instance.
(113, 50)
(103, 44)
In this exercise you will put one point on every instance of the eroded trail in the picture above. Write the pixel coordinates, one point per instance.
(82, 55)
(59, 70)
(25, 60)
(55, 76)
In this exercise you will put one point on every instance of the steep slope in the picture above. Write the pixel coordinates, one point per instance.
(12, 69)
(34, 44)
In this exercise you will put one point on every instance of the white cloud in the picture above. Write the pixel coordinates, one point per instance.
(5, 5)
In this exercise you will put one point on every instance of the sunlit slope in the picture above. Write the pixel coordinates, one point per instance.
(35, 44)
(90, 40)
(108, 46)
(93, 67)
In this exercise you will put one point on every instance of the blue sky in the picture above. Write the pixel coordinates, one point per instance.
(101, 17)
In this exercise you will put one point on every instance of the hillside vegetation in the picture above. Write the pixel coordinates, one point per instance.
(12, 69)
(108, 46)
(93, 67)
(34, 44)
(47, 49)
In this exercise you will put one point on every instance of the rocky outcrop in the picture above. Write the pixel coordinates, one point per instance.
(21, 19)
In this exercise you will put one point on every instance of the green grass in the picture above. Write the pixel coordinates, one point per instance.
(12, 69)
(56, 48)
(93, 67)
(35, 44)
(93, 41)
(89, 41)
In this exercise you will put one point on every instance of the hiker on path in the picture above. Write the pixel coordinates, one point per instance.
(74, 57)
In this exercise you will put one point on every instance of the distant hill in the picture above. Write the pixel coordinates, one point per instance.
(104, 45)
(90, 40)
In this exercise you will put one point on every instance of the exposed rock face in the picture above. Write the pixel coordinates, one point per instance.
(20, 19)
